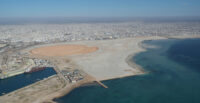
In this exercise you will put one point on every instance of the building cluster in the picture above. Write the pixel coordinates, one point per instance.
(17, 37)
(42, 63)
(14, 64)
(94, 31)
(72, 76)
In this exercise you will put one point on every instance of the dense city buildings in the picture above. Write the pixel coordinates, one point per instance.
(94, 31)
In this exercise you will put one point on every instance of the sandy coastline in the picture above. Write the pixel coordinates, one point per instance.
(112, 60)
(65, 90)
(134, 69)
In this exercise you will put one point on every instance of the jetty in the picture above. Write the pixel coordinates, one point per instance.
(103, 85)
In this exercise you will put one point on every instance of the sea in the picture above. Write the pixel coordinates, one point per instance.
(19, 81)
(173, 76)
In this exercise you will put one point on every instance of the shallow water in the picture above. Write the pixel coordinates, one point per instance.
(13, 83)
(173, 77)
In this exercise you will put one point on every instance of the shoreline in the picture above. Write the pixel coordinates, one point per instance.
(66, 90)
(85, 93)
(129, 48)
(126, 68)
(129, 60)
(93, 83)
(182, 37)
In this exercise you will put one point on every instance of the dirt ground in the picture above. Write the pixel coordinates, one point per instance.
(63, 50)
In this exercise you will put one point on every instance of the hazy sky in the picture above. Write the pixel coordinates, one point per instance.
(98, 8)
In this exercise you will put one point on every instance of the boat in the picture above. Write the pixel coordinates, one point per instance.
(34, 69)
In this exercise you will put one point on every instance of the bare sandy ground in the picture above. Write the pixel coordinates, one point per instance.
(34, 92)
(111, 60)
(63, 50)
(108, 62)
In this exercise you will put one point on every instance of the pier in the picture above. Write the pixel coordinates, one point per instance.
(103, 85)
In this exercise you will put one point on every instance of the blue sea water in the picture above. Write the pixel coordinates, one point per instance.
(174, 75)
(13, 83)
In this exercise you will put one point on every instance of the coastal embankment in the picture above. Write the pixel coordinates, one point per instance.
(11, 74)
(109, 61)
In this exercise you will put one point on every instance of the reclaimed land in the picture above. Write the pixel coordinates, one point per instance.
(100, 60)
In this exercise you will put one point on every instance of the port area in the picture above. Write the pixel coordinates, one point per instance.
(12, 65)
(73, 74)
(108, 62)
(69, 76)
(70, 73)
